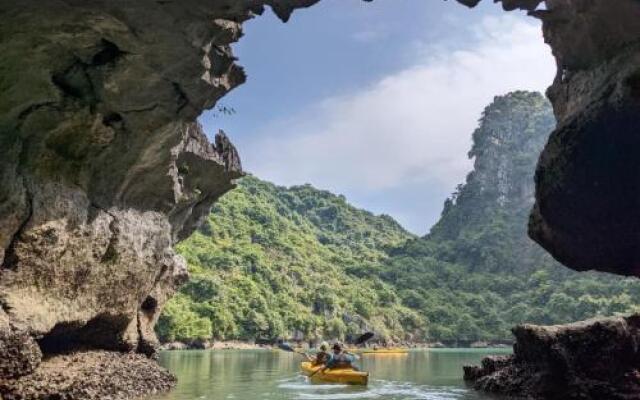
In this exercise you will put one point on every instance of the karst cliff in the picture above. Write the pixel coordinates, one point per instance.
(589, 162)
(103, 167)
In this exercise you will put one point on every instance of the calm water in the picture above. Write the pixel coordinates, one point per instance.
(273, 375)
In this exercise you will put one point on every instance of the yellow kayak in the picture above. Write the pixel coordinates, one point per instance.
(346, 376)
(383, 351)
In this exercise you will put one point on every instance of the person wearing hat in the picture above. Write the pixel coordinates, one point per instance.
(322, 356)
(340, 359)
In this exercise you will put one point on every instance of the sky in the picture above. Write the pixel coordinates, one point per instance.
(377, 101)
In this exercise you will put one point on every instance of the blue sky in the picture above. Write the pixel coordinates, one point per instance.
(377, 101)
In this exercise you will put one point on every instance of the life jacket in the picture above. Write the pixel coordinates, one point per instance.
(340, 361)
(321, 358)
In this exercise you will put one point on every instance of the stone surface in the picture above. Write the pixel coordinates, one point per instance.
(19, 353)
(103, 167)
(597, 359)
(587, 213)
(90, 375)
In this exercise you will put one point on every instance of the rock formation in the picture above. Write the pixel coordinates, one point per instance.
(587, 201)
(596, 359)
(590, 161)
(102, 166)
(90, 375)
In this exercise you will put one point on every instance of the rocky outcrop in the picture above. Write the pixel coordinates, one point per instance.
(103, 169)
(590, 161)
(598, 359)
(90, 375)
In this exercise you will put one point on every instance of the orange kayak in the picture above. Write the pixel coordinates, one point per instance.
(348, 376)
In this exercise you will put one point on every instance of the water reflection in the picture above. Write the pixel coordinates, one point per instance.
(274, 375)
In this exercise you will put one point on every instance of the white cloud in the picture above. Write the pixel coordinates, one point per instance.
(411, 127)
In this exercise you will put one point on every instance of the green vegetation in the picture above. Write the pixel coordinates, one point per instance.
(273, 262)
(477, 273)
(301, 263)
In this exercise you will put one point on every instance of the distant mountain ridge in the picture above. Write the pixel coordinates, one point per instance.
(275, 262)
(477, 273)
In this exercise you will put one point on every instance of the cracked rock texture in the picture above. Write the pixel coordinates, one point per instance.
(90, 375)
(103, 167)
(598, 359)
(587, 212)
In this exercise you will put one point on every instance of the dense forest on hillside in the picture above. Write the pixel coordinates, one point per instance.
(477, 273)
(275, 262)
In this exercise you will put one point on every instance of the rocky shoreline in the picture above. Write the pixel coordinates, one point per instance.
(595, 359)
(213, 345)
(90, 375)
(247, 345)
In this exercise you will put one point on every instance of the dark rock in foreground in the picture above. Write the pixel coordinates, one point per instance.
(587, 182)
(90, 375)
(595, 359)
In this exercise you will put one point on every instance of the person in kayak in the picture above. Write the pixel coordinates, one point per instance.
(321, 357)
(340, 358)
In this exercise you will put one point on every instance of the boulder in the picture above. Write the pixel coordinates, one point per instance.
(595, 359)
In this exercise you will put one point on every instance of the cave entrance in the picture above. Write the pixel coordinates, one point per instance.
(103, 332)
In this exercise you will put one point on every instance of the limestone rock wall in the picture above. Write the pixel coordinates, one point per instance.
(587, 212)
(102, 165)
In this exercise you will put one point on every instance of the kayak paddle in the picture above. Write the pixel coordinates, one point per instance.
(362, 339)
(318, 370)
(286, 347)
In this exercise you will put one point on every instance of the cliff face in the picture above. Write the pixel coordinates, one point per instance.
(102, 167)
(588, 182)
(590, 161)
(493, 205)
(587, 201)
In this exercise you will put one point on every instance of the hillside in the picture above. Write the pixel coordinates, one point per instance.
(274, 262)
(477, 273)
